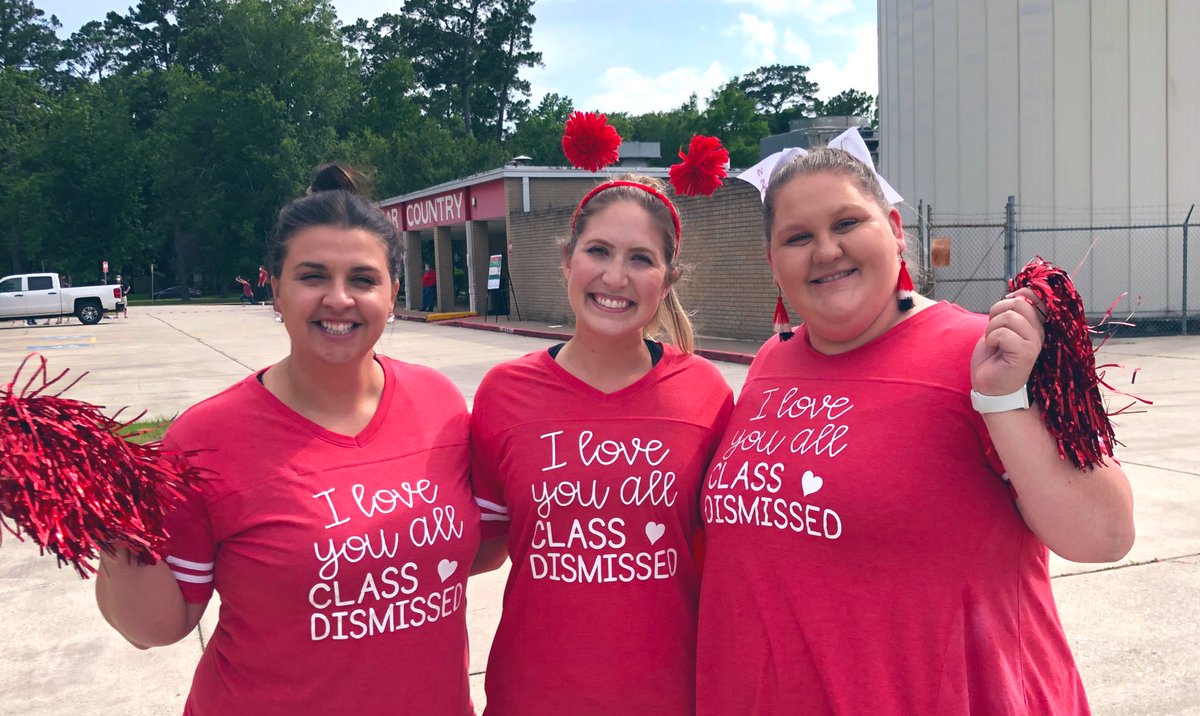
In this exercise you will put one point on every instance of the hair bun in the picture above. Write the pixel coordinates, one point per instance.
(335, 177)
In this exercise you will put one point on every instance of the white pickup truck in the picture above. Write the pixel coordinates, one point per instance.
(38, 295)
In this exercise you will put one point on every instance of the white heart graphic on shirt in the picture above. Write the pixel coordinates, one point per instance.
(810, 483)
(654, 531)
(446, 567)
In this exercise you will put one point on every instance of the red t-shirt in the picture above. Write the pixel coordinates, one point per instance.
(864, 552)
(599, 495)
(341, 561)
(429, 278)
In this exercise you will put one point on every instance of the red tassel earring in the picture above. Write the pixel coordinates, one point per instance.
(904, 288)
(783, 324)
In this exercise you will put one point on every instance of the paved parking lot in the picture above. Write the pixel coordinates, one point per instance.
(1135, 628)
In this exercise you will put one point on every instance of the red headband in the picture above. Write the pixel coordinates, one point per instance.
(648, 189)
(591, 143)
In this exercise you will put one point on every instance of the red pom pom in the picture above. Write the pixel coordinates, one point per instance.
(590, 142)
(1064, 381)
(70, 482)
(702, 168)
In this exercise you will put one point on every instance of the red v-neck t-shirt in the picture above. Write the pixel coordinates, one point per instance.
(341, 561)
(598, 495)
(865, 555)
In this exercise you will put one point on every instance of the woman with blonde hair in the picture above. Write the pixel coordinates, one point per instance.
(588, 461)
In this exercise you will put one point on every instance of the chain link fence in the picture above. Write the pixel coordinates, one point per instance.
(1151, 265)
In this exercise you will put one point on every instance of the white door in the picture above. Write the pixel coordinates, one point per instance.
(42, 296)
(12, 296)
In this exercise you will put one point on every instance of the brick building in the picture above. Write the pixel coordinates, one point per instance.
(521, 213)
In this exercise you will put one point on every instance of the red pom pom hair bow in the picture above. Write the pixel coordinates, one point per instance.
(702, 169)
(73, 484)
(1064, 380)
(590, 142)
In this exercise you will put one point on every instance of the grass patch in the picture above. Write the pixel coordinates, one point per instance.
(154, 430)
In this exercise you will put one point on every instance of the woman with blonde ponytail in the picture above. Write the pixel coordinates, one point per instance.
(587, 464)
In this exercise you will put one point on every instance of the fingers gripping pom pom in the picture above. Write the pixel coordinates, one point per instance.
(702, 169)
(1064, 381)
(590, 142)
(70, 482)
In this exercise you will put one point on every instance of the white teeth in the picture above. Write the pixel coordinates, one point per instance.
(611, 302)
(834, 277)
(338, 329)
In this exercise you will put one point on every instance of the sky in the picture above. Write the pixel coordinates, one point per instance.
(642, 56)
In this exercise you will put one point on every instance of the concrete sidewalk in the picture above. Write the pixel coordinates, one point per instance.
(1134, 626)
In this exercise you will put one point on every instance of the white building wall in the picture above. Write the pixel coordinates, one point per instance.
(1182, 116)
(1085, 111)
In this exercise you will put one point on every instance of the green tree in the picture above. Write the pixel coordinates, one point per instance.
(460, 47)
(672, 129)
(731, 116)
(849, 103)
(378, 42)
(280, 103)
(780, 93)
(25, 107)
(506, 49)
(88, 168)
(539, 131)
(28, 39)
(159, 34)
(92, 52)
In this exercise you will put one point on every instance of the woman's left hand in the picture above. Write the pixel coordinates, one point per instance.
(1011, 343)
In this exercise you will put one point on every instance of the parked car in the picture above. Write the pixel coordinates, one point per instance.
(176, 292)
(39, 295)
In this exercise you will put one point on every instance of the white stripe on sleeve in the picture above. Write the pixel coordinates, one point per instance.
(186, 564)
(192, 578)
(491, 505)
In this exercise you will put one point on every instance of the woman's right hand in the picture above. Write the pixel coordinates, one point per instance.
(1010, 345)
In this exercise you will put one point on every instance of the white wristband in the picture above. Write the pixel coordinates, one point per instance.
(1016, 400)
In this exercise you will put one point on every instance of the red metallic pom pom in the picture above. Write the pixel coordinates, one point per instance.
(590, 142)
(70, 482)
(1064, 381)
(702, 168)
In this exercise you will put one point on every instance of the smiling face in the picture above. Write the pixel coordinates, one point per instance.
(835, 253)
(335, 293)
(617, 272)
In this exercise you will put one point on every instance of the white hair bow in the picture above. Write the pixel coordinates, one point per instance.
(849, 141)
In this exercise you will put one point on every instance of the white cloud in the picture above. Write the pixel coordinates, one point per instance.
(627, 90)
(859, 70)
(763, 45)
(760, 38)
(796, 47)
(818, 11)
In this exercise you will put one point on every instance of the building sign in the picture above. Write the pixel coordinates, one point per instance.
(393, 215)
(494, 271)
(441, 210)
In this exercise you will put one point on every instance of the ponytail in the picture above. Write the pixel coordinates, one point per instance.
(672, 320)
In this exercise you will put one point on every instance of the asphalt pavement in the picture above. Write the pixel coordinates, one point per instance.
(1134, 626)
